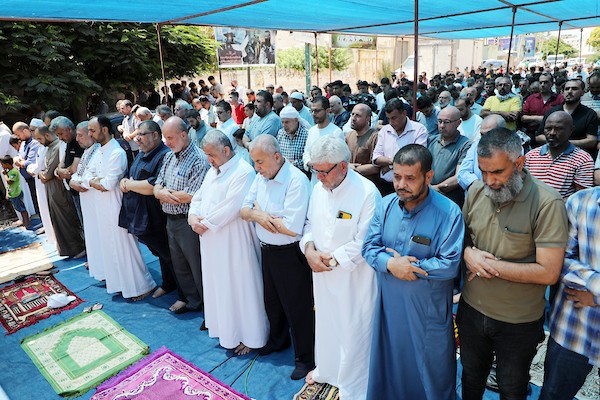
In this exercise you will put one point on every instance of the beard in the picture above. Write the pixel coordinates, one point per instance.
(508, 191)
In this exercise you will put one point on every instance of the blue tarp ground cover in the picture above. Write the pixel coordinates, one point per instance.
(446, 20)
(262, 378)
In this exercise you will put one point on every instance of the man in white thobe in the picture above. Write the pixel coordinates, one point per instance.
(234, 308)
(40, 189)
(124, 268)
(345, 287)
(89, 202)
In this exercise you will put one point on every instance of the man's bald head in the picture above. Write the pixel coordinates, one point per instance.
(449, 113)
(561, 116)
(557, 130)
(448, 121)
(360, 118)
(490, 122)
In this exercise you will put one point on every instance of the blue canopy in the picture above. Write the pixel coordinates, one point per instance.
(440, 19)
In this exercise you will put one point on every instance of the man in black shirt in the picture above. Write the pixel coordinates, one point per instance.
(65, 130)
(584, 118)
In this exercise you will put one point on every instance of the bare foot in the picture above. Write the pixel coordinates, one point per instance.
(242, 349)
(158, 292)
(309, 379)
(177, 305)
(141, 296)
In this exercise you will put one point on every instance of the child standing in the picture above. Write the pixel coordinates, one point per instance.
(14, 193)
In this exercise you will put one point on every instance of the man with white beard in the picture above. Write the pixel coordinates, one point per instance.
(119, 255)
(344, 286)
(88, 200)
(234, 308)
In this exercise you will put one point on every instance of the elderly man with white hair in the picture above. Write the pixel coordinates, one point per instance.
(339, 116)
(344, 286)
(230, 250)
(292, 137)
(277, 203)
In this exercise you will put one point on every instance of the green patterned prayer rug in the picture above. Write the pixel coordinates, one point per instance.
(82, 352)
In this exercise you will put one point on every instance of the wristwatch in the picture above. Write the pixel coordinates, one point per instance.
(333, 262)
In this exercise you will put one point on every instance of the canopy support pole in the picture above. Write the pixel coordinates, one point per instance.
(416, 61)
(162, 64)
(557, 42)
(512, 31)
(316, 59)
(580, 44)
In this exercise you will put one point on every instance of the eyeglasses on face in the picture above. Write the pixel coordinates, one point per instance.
(446, 121)
(324, 173)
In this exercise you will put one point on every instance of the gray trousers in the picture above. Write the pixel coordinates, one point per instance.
(184, 245)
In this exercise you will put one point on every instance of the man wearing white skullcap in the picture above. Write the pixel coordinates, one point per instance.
(297, 101)
(292, 137)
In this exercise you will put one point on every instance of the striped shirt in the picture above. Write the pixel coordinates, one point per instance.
(578, 329)
(573, 167)
(182, 171)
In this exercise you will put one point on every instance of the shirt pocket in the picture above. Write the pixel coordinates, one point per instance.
(344, 230)
(421, 251)
(515, 245)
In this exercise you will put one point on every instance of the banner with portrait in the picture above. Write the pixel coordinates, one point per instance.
(245, 47)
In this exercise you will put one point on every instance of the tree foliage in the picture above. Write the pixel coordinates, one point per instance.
(548, 47)
(294, 58)
(54, 65)
(594, 39)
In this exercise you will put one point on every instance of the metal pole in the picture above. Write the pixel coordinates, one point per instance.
(330, 64)
(580, 43)
(512, 30)
(557, 43)
(162, 64)
(317, 59)
(416, 63)
(307, 65)
(249, 85)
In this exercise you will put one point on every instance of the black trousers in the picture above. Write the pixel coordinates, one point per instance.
(289, 300)
(158, 244)
(184, 246)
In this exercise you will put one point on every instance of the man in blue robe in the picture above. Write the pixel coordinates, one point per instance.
(414, 243)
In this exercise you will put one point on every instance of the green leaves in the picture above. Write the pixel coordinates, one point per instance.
(52, 64)
(294, 59)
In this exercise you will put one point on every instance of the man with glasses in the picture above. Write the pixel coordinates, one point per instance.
(448, 149)
(320, 111)
(585, 134)
(537, 104)
(505, 103)
(340, 210)
(141, 213)
(392, 137)
(228, 125)
(277, 203)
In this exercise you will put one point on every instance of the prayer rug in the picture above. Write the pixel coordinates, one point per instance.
(22, 262)
(589, 390)
(165, 375)
(317, 391)
(82, 352)
(25, 303)
(15, 238)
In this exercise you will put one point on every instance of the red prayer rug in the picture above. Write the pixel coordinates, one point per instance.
(165, 375)
(25, 303)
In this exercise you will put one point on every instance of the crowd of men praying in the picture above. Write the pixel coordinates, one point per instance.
(346, 222)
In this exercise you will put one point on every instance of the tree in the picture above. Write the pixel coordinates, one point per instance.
(594, 39)
(59, 65)
(294, 58)
(548, 47)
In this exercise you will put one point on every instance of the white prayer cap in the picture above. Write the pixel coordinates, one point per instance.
(59, 300)
(36, 123)
(289, 112)
(297, 96)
